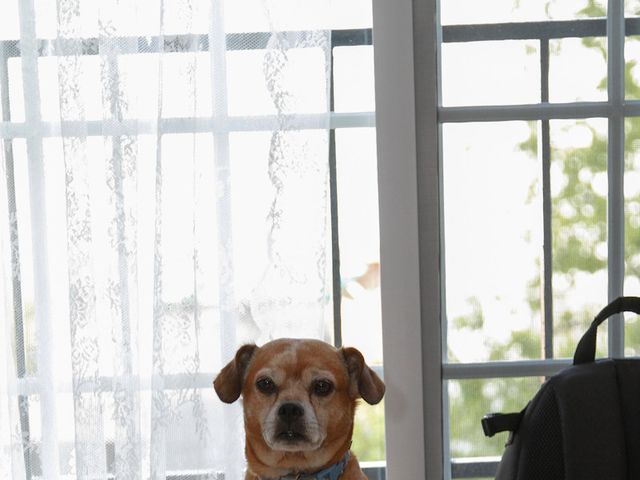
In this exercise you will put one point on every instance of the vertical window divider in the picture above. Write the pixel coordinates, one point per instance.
(615, 168)
(546, 206)
(335, 228)
(218, 49)
(20, 353)
(46, 374)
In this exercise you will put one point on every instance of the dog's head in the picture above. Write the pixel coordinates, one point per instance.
(299, 399)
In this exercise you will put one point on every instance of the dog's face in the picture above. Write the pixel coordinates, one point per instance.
(299, 396)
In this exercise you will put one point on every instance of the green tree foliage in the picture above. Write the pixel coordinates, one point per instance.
(368, 434)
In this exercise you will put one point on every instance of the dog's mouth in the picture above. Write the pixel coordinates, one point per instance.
(291, 436)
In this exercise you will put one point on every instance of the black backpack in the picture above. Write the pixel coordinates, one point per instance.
(584, 422)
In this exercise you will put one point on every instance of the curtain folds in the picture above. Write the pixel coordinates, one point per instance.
(167, 202)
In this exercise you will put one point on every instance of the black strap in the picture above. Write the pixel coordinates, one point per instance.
(493, 423)
(586, 350)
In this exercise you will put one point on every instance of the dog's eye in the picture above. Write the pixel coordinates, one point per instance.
(266, 385)
(322, 387)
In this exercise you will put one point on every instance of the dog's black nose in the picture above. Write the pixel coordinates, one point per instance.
(290, 411)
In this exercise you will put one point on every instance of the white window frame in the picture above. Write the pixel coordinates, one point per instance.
(410, 241)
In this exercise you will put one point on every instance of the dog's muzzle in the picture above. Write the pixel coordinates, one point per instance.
(291, 423)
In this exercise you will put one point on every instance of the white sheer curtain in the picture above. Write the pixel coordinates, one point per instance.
(163, 199)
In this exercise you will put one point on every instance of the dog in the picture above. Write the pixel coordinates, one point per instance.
(299, 400)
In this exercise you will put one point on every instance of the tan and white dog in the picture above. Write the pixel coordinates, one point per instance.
(299, 400)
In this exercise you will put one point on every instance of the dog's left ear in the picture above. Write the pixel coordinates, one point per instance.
(228, 383)
(364, 381)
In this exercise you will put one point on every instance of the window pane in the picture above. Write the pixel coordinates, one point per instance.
(578, 69)
(470, 400)
(186, 82)
(631, 8)
(359, 240)
(292, 15)
(493, 230)
(498, 11)
(87, 74)
(489, 73)
(632, 230)
(250, 212)
(9, 23)
(579, 223)
(306, 82)
(632, 60)
(280, 230)
(141, 17)
(16, 92)
(20, 223)
(368, 433)
(353, 79)
(360, 270)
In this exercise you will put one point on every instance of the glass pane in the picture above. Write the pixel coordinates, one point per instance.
(292, 15)
(185, 75)
(493, 231)
(470, 400)
(143, 96)
(87, 74)
(141, 17)
(280, 230)
(578, 69)
(632, 60)
(9, 23)
(186, 85)
(368, 433)
(306, 82)
(631, 8)
(20, 223)
(499, 11)
(486, 73)
(353, 79)
(579, 202)
(16, 95)
(632, 230)
(359, 240)
(249, 152)
(360, 270)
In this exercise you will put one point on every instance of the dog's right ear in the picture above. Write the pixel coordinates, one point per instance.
(228, 383)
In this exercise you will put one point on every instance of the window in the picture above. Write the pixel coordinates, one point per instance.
(523, 215)
(140, 199)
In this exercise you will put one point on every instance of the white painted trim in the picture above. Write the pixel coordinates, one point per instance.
(413, 402)
(49, 450)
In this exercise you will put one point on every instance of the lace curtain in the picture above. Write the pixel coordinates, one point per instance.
(163, 199)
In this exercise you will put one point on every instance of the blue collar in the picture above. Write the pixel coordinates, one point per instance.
(332, 473)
